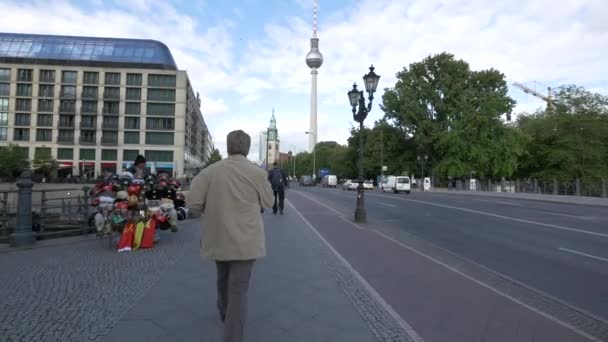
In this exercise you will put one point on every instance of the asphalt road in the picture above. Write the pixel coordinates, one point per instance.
(556, 250)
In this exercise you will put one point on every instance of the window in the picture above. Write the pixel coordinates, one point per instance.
(111, 93)
(67, 106)
(89, 107)
(161, 80)
(69, 77)
(42, 152)
(65, 153)
(87, 121)
(110, 122)
(45, 120)
(24, 75)
(109, 155)
(5, 89)
(68, 92)
(47, 76)
(159, 156)
(22, 119)
(109, 137)
(158, 138)
(44, 134)
(23, 105)
(161, 109)
(129, 154)
(131, 123)
(24, 89)
(46, 90)
(112, 78)
(110, 107)
(134, 94)
(3, 133)
(66, 121)
(66, 136)
(90, 77)
(87, 154)
(133, 108)
(89, 92)
(3, 119)
(5, 75)
(45, 106)
(161, 94)
(3, 105)
(21, 134)
(88, 137)
(132, 79)
(131, 138)
(159, 123)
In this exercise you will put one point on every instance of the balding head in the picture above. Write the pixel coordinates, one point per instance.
(238, 142)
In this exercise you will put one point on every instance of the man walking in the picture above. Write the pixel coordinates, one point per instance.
(229, 195)
(278, 180)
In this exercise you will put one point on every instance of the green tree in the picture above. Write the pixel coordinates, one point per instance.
(570, 140)
(13, 160)
(214, 157)
(45, 165)
(453, 115)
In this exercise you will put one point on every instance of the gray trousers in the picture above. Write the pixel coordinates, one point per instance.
(232, 286)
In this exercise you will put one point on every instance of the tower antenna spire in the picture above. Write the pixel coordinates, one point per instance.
(314, 18)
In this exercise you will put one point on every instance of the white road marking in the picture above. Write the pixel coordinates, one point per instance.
(387, 204)
(404, 325)
(583, 254)
(498, 216)
(430, 258)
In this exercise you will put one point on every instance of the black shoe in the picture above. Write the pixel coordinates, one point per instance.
(281, 212)
(222, 315)
(274, 212)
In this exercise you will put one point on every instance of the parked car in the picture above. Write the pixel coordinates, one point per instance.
(396, 184)
(346, 184)
(368, 185)
(306, 181)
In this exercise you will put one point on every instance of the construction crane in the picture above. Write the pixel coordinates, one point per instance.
(533, 92)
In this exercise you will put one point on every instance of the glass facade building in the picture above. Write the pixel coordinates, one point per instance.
(95, 103)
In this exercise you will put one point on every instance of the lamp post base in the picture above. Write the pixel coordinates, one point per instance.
(360, 212)
(22, 239)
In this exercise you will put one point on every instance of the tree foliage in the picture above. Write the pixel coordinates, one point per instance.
(569, 140)
(453, 115)
(214, 157)
(13, 160)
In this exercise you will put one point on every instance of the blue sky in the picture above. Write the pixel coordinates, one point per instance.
(247, 57)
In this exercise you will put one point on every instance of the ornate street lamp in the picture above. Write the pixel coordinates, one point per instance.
(360, 111)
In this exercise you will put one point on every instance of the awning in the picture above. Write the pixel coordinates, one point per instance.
(87, 164)
(108, 164)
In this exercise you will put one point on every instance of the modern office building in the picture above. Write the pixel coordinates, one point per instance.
(94, 104)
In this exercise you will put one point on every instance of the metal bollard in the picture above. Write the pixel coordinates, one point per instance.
(555, 187)
(604, 187)
(23, 234)
(577, 187)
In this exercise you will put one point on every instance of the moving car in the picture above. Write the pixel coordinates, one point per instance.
(368, 185)
(396, 184)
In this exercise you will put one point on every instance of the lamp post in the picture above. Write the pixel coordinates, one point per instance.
(314, 157)
(422, 162)
(293, 148)
(360, 111)
(266, 142)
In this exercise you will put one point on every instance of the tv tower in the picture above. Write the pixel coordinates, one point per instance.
(314, 60)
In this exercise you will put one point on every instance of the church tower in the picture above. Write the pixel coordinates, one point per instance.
(273, 142)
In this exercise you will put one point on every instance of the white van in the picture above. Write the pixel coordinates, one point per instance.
(396, 184)
(427, 184)
(332, 181)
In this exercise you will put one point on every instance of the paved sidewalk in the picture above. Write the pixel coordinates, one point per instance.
(83, 291)
(579, 200)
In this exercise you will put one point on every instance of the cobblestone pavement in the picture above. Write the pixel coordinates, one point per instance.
(84, 291)
(77, 291)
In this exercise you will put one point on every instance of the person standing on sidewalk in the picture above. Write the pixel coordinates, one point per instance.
(229, 195)
(278, 180)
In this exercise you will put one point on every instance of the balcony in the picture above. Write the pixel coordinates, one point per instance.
(67, 109)
(88, 124)
(65, 124)
(111, 125)
(87, 140)
(109, 141)
(67, 96)
(65, 140)
(89, 96)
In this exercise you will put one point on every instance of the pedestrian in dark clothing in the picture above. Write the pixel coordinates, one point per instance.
(278, 180)
(138, 169)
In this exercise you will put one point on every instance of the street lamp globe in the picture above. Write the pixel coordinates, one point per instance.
(371, 80)
(354, 95)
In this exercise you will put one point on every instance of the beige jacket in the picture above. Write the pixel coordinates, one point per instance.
(230, 194)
